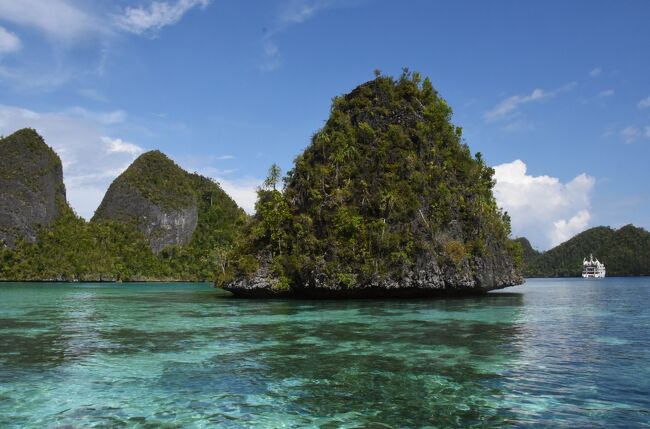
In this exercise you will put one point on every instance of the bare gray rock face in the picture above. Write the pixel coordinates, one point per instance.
(32, 193)
(161, 226)
(155, 195)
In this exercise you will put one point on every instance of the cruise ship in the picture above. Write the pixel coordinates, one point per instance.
(593, 268)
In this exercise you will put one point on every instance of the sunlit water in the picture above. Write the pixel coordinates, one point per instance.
(553, 353)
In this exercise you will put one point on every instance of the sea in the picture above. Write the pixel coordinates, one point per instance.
(552, 353)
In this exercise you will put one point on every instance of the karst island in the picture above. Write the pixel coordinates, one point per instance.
(386, 201)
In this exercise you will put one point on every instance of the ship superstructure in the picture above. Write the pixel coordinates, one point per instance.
(593, 268)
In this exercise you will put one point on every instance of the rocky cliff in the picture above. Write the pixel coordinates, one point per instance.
(32, 193)
(157, 196)
(386, 201)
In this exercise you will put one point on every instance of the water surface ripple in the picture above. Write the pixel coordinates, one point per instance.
(553, 353)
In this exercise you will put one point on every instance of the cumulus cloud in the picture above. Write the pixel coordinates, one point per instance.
(595, 72)
(91, 159)
(242, 190)
(120, 146)
(563, 229)
(644, 103)
(159, 14)
(606, 93)
(9, 42)
(543, 208)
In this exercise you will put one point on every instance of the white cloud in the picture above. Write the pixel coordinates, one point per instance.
(142, 20)
(243, 191)
(106, 118)
(34, 79)
(66, 21)
(90, 159)
(595, 72)
(647, 131)
(270, 57)
(644, 103)
(120, 146)
(543, 208)
(71, 23)
(512, 103)
(9, 42)
(508, 107)
(299, 11)
(93, 94)
(630, 134)
(606, 93)
(58, 19)
(563, 229)
(291, 12)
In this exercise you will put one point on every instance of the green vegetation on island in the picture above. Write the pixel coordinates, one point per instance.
(158, 180)
(624, 251)
(117, 247)
(386, 200)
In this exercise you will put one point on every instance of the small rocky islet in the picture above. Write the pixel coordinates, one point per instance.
(386, 201)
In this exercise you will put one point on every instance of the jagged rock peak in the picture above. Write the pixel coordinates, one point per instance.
(32, 193)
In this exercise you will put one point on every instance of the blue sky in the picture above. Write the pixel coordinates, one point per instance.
(555, 94)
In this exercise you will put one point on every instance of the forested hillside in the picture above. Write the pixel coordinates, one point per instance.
(625, 252)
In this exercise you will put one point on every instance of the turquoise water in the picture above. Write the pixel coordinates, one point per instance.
(553, 353)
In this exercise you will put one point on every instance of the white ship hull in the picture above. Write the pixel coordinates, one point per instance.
(593, 275)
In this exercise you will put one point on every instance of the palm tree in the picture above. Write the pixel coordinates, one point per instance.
(273, 177)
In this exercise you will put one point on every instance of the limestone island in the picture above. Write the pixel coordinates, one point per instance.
(156, 222)
(386, 201)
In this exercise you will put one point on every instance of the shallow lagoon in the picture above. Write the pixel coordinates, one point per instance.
(553, 353)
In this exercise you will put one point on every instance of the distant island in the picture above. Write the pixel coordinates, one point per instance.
(624, 251)
(156, 222)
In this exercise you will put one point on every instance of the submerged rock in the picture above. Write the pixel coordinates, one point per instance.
(157, 196)
(387, 201)
(32, 193)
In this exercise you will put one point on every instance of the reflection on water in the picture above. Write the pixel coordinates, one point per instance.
(556, 353)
